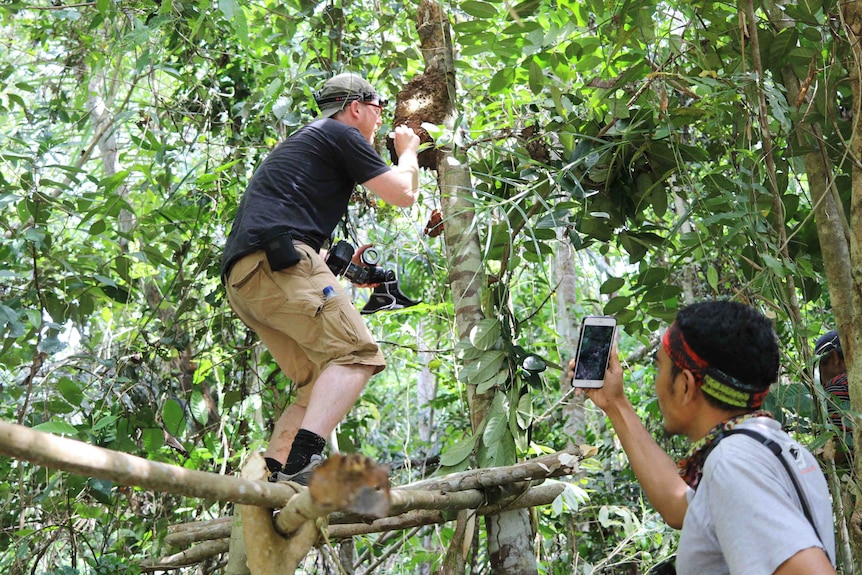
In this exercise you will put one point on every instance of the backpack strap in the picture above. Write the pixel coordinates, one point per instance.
(775, 448)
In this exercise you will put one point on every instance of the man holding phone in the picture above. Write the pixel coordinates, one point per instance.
(714, 368)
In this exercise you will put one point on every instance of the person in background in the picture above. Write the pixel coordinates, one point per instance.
(833, 379)
(733, 498)
(277, 281)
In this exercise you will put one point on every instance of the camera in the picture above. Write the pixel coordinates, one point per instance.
(386, 295)
(339, 261)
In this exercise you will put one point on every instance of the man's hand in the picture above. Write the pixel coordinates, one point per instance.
(400, 185)
(612, 391)
(357, 259)
(406, 140)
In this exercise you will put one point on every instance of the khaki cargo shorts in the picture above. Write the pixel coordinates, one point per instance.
(303, 331)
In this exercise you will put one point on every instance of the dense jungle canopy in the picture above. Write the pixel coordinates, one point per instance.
(622, 158)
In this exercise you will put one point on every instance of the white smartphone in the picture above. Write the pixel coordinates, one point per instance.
(594, 350)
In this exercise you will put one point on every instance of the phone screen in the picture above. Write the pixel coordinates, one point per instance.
(593, 352)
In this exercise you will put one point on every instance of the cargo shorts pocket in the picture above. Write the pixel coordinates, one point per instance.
(346, 333)
(253, 289)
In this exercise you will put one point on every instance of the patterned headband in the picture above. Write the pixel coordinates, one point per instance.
(711, 380)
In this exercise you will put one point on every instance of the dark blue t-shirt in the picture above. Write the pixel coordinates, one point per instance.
(303, 186)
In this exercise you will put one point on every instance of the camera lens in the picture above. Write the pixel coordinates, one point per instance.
(370, 257)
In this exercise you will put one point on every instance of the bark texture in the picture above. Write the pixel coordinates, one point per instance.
(509, 534)
(850, 328)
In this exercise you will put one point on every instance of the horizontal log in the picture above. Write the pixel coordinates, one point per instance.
(557, 464)
(194, 525)
(82, 458)
(536, 496)
(542, 495)
(206, 531)
(343, 525)
(401, 502)
(189, 557)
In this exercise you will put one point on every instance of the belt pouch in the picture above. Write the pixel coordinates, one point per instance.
(280, 251)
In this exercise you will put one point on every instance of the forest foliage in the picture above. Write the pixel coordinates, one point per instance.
(633, 131)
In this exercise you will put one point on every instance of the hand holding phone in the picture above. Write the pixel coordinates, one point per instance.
(594, 348)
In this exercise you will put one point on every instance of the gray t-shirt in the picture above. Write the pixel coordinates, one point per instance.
(745, 517)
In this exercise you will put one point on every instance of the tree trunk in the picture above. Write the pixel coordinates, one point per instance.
(839, 242)
(509, 533)
(850, 328)
(574, 416)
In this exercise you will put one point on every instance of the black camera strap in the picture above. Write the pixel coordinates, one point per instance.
(776, 450)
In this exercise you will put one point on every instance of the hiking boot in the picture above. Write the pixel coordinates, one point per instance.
(301, 476)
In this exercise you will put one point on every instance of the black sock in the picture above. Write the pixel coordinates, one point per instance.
(273, 464)
(305, 444)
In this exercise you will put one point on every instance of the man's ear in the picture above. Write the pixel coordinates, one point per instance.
(690, 388)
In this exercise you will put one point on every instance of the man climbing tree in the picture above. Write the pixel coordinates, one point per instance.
(280, 286)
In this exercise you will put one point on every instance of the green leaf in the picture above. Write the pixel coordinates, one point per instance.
(51, 345)
(233, 12)
(501, 454)
(486, 367)
(173, 417)
(112, 182)
(478, 9)
(100, 489)
(106, 421)
(616, 304)
(774, 265)
(526, 8)
(485, 334)
(571, 498)
(782, 44)
(232, 163)
(497, 381)
(153, 438)
(57, 428)
(501, 80)
(653, 276)
(537, 77)
(105, 281)
(459, 452)
(495, 429)
(524, 411)
(98, 227)
(611, 285)
(712, 277)
(199, 408)
(206, 179)
(71, 391)
(89, 511)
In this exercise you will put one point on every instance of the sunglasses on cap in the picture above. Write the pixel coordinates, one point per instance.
(364, 97)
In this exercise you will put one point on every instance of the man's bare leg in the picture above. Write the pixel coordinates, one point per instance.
(284, 431)
(334, 393)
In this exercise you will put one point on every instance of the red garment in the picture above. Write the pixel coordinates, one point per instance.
(837, 387)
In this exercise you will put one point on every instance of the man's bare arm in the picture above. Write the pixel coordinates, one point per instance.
(400, 185)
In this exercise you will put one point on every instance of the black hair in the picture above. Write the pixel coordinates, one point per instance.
(735, 338)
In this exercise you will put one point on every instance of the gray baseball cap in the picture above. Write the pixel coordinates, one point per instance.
(341, 89)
